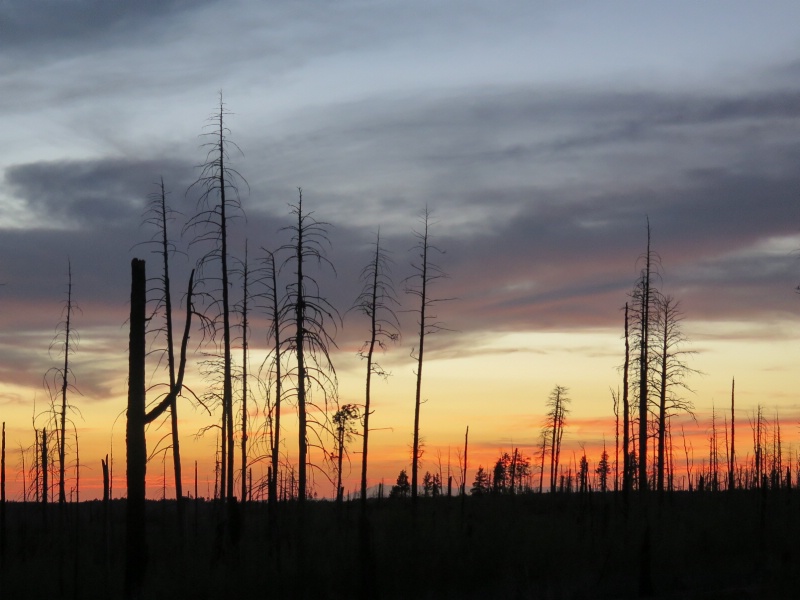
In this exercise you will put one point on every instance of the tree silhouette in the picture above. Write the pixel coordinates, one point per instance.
(555, 420)
(60, 381)
(402, 487)
(343, 421)
(481, 485)
(426, 273)
(671, 372)
(310, 316)
(158, 216)
(603, 469)
(136, 542)
(271, 368)
(643, 294)
(376, 302)
(218, 203)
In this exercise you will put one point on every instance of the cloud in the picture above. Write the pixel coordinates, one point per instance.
(91, 194)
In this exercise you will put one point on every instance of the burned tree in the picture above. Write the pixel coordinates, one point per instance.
(219, 202)
(643, 295)
(310, 317)
(376, 301)
(136, 543)
(158, 216)
(426, 273)
(60, 381)
(271, 369)
(670, 373)
(553, 428)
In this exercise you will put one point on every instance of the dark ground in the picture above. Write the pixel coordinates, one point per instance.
(690, 545)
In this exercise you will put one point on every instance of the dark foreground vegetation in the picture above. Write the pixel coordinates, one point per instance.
(742, 544)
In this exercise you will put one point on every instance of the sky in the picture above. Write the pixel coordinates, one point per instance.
(541, 137)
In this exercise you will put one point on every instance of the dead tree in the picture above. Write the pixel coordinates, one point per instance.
(245, 332)
(136, 542)
(555, 421)
(159, 215)
(626, 414)
(43, 455)
(310, 317)
(60, 381)
(271, 369)
(426, 273)
(732, 464)
(671, 371)
(218, 203)
(376, 301)
(644, 294)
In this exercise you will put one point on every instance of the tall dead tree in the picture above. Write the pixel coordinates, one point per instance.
(245, 333)
(271, 369)
(671, 371)
(426, 273)
(310, 316)
(44, 459)
(555, 421)
(159, 215)
(138, 418)
(732, 464)
(626, 413)
(376, 301)
(60, 381)
(645, 298)
(218, 203)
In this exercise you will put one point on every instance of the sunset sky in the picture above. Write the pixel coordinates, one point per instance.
(540, 135)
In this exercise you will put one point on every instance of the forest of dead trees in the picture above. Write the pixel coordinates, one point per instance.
(652, 404)
(209, 326)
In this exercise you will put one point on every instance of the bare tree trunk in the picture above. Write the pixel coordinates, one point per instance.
(626, 412)
(643, 368)
(300, 319)
(367, 397)
(245, 275)
(464, 473)
(176, 448)
(662, 400)
(276, 336)
(3, 500)
(136, 544)
(104, 464)
(44, 466)
(77, 470)
(62, 497)
(732, 465)
(420, 354)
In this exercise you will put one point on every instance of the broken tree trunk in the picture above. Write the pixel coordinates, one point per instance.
(136, 543)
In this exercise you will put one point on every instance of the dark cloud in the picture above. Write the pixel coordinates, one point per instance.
(62, 29)
(539, 199)
(92, 194)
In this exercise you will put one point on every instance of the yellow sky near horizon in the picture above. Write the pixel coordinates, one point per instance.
(499, 390)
